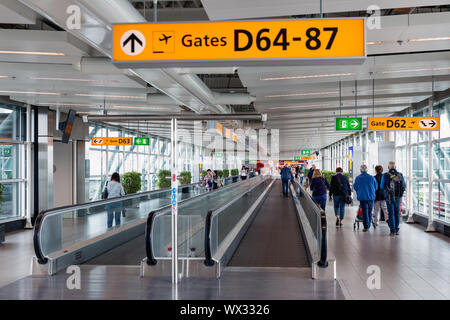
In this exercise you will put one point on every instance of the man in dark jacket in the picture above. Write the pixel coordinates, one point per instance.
(379, 206)
(310, 174)
(394, 185)
(286, 176)
(339, 190)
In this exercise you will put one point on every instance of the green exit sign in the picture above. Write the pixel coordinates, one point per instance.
(306, 152)
(296, 157)
(219, 155)
(349, 124)
(141, 141)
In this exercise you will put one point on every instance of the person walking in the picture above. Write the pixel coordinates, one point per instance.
(243, 173)
(209, 180)
(339, 190)
(394, 185)
(286, 176)
(310, 174)
(379, 206)
(365, 186)
(319, 186)
(113, 189)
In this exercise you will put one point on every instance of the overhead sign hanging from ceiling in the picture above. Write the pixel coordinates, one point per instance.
(404, 124)
(239, 43)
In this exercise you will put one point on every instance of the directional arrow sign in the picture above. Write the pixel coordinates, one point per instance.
(349, 124)
(404, 123)
(132, 42)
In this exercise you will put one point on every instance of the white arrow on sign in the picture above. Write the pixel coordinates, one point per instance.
(355, 123)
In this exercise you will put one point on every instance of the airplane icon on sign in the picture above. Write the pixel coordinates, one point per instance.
(165, 38)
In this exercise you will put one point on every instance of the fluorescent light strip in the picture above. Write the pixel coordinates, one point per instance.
(310, 76)
(4, 77)
(303, 106)
(417, 70)
(30, 92)
(108, 96)
(69, 79)
(374, 42)
(33, 53)
(66, 104)
(138, 107)
(301, 94)
(429, 39)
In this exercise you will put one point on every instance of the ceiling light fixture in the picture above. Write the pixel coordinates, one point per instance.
(39, 53)
(301, 106)
(29, 92)
(301, 94)
(4, 77)
(310, 76)
(109, 96)
(374, 42)
(138, 107)
(70, 79)
(62, 104)
(417, 70)
(429, 39)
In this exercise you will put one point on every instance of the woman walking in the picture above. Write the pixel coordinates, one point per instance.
(319, 186)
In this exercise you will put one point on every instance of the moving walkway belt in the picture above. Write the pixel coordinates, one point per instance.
(274, 238)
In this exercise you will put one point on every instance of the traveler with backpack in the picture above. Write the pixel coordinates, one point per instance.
(286, 176)
(394, 185)
(365, 186)
(310, 175)
(340, 192)
(379, 206)
(113, 189)
(319, 186)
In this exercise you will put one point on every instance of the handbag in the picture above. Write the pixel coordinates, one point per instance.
(105, 192)
(347, 199)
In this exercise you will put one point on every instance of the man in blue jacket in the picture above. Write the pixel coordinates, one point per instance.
(394, 185)
(365, 186)
(286, 175)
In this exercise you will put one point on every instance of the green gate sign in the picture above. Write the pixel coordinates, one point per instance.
(349, 124)
(306, 152)
(296, 157)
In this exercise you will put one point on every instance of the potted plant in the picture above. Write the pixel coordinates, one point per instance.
(186, 179)
(131, 182)
(234, 175)
(226, 174)
(163, 181)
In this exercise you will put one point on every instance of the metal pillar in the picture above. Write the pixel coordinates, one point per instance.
(28, 224)
(430, 227)
(174, 220)
(409, 175)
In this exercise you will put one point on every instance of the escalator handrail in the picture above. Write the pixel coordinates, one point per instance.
(152, 215)
(40, 218)
(323, 247)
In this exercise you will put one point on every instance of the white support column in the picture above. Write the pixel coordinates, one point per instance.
(174, 219)
(74, 171)
(28, 168)
(430, 227)
(409, 207)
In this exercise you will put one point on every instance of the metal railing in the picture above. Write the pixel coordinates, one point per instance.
(317, 220)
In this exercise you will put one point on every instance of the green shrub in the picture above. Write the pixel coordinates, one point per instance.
(186, 175)
(226, 173)
(163, 182)
(327, 174)
(234, 172)
(1, 192)
(204, 173)
(131, 182)
(219, 173)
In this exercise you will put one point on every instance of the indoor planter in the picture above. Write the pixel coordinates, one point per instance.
(235, 174)
(226, 174)
(186, 179)
(163, 180)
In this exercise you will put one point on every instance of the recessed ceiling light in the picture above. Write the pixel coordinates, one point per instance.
(138, 107)
(33, 53)
(109, 96)
(3, 77)
(374, 42)
(429, 39)
(301, 94)
(61, 104)
(301, 106)
(28, 92)
(70, 79)
(309, 76)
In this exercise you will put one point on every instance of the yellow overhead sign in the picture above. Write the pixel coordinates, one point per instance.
(111, 141)
(403, 123)
(238, 42)
(308, 158)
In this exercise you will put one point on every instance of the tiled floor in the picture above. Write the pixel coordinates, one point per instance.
(413, 265)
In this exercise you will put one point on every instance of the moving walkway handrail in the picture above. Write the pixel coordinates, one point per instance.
(63, 209)
(151, 260)
(208, 222)
(322, 232)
